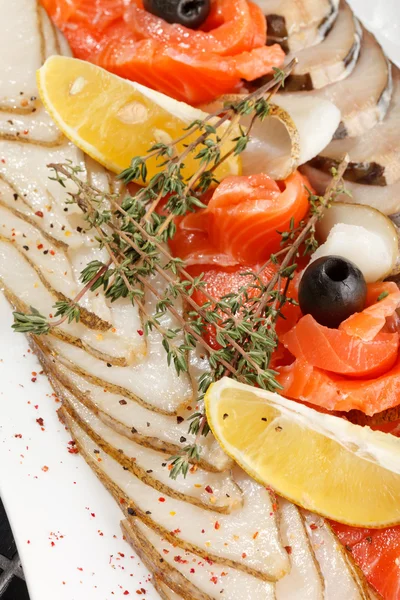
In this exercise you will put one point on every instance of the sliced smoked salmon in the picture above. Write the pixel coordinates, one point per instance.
(242, 221)
(195, 66)
(337, 351)
(377, 553)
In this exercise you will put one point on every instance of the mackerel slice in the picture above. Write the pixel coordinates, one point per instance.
(375, 155)
(342, 582)
(304, 579)
(150, 466)
(132, 420)
(188, 575)
(333, 60)
(363, 98)
(246, 539)
(298, 24)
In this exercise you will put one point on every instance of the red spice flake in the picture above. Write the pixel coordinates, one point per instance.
(175, 531)
(180, 560)
(288, 549)
(18, 435)
(39, 246)
(126, 593)
(121, 500)
(274, 507)
(79, 568)
(121, 554)
(71, 443)
(165, 551)
(217, 525)
(161, 499)
(140, 332)
(313, 526)
(39, 213)
(92, 515)
(209, 489)
(40, 421)
(244, 555)
(255, 535)
(26, 131)
(28, 541)
(36, 406)
(33, 379)
(52, 252)
(214, 580)
(45, 468)
(73, 450)
(3, 161)
(192, 570)
(52, 544)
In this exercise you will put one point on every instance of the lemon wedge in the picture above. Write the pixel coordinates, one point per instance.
(323, 463)
(114, 120)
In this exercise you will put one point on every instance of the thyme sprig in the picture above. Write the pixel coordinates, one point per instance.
(134, 234)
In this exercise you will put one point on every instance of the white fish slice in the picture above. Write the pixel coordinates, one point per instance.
(151, 467)
(384, 198)
(297, 25)
(363, 97)
(247, 538)
(19, 31)
(341, 580)
(304, 581)
(131, 419)
(333, 60)
(192, 577)
(375, 155)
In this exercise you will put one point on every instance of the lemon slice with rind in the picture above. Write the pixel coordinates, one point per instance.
(114, 120)
(342, 471)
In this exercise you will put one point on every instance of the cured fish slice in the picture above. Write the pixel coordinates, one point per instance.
(304, 579)
(141, 382)
(377, 553)
(341, 350)
(18, 31)
(363, 97)
(24, 288)
(301, 381)
(383, 198)
(375, 155)
(150, 467)
(297, 25)
(335, 58)
(383, 299)
(342, 582)
(247, 539)
(131, 419)
(189, 575)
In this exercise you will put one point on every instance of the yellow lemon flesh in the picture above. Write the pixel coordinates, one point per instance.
(114, 120)
(342, 471)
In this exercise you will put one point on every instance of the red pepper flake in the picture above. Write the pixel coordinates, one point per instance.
(40, 246)
(140, 332)
(126, 593)
(121, 554)
(3, 161)
(52, 252)
(28, 541)
(92, 515)
(192, 570)
(313, 526)
(36, 406)
(33, 379)
(176, 531)
(40, 421)
(52, 544)
(26, 131)
(121, 500)
(79, 568)
(161, 499)
(217, 525)
(18, 435)
(39, 213)
(244, 555)
(45, 468)
(288, 549)
(209, 489)
(165, 551)
(255, 535)
(73, 450)
(214, 580)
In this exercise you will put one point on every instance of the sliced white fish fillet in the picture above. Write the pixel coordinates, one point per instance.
(20, 33)
(304, 580)
(363, 97)
(190, 574)
(375, 155)
(151, 466)
(247, 538)
(384, 198)
(298, 24)
(341, 581)
(131, 419)
(333, 60)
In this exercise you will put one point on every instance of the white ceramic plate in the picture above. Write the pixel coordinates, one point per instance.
(65, 523)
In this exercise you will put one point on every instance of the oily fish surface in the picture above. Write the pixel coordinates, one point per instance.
(318, 461)
(113, 120)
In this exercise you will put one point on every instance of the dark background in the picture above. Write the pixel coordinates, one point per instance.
(12, 582)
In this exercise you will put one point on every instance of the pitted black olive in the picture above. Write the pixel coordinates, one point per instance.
(331, 289)
(191, 13)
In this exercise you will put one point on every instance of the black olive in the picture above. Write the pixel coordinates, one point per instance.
(191, 13)
(331, 290)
